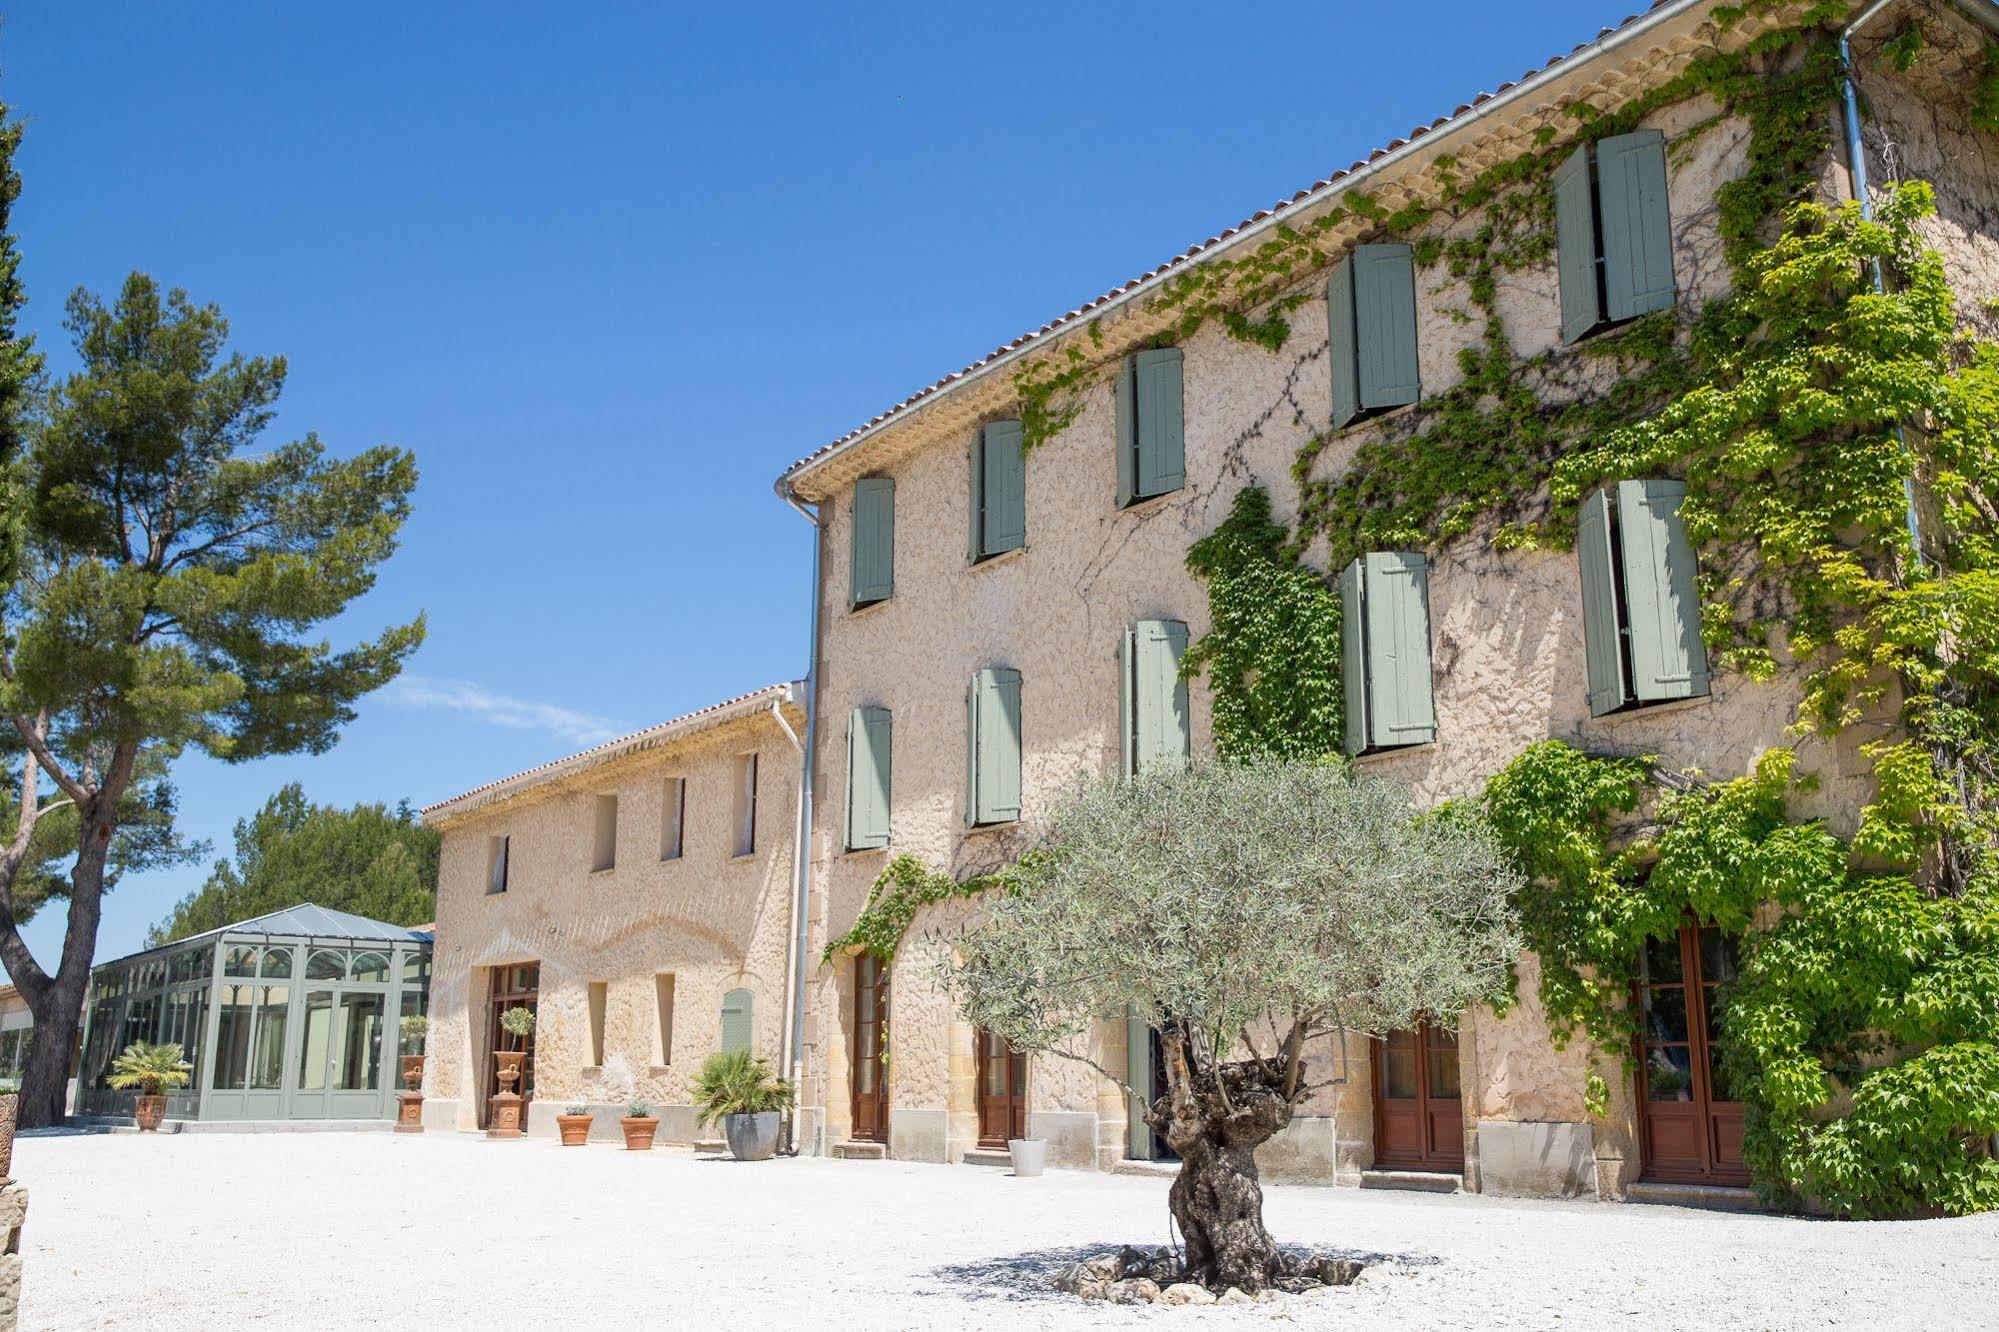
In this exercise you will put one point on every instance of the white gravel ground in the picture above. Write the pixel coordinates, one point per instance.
(367, 1230)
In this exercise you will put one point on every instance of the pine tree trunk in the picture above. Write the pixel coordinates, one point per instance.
(58, 1005)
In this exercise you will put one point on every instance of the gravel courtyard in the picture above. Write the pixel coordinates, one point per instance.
(367, 1230)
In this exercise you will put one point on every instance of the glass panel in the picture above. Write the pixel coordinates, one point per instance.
(267, 1069)
(371, 967)
(413, 1003)
(1717, 1078)
(1665, 1015)
(180, 968)
(1720, 953)
(241, 961)
(416, 969)
(360, 1061)
(278, 963)
(1660, 963)
(314, 1037)
(1668, 1074)
(232, 1037)
(197, 1031)
(1398, 1066)
(326, 964)
(1443, 1064)
(200, 961)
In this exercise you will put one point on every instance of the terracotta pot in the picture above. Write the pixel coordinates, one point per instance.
(507, 1070)
(576, 1129)
(413, 1071)
(638, 1132)
(149, 1111)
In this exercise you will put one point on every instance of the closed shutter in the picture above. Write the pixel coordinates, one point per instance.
(995, 733)
(873, 571)
(1353, 655)
(1401, 705)
(1384, 280)
(1162, 443)
(869, 751)
(1127, 432)
(1575, 246)
(1340, 342)
(1138, 1076)
(1637, 224)
(737, 1020)
(1159, 731)
(1003, 488)
(1668, 660)
(1602, 638)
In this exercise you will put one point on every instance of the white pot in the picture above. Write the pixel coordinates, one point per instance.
(1029, 1155)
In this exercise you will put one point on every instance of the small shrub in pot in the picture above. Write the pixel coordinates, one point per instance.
(151, 1069)
(745, 1093)
(639, 1125)
(575, 1125)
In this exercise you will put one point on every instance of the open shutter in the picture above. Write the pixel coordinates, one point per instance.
(1138, 1076)
(1162, 443)
(976, 492)
(1004, 487)
(996, 734)
(1384, 282)
(1353, 656)
(1668, 660)
(1637, 224)
(1340, 345)
(869, 751)
(1127, 698)
(972, 752)
(1575, 247)
(1602, 639)
(1127, 433)
(1161, 731)
(873, 563)
(737, 1018)
(1401, 707)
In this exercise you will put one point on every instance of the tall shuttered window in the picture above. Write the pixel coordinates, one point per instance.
(1154, 697)
(869, 749)
(872, 571)
(1371, 325)
(738, 1026)
(992, 730)
(1641, 611)
(1613, 232)
(1151, 426)
(1385, 652)
(999, 490)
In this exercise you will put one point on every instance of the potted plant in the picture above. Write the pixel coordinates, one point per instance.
(745, 1093)
(151, 1069)
(575, 1125)
(409, 1118)
(505, 1120)
(639, 1125)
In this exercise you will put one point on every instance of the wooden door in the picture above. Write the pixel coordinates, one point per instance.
(1419, 1117)
(1002, 1075)
(870, 1032)
(517, 986)
(1690, 1129)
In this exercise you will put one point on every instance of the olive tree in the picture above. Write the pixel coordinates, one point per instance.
(1264, 918)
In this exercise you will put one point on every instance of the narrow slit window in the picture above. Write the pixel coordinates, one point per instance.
(746, 804)
(496, 864)
(673, 817)
(663, 995)
(599, 1000)
(604, 841)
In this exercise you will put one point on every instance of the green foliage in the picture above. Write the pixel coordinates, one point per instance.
(1985, 96)
(413, 1028)
(371, 860)
(1272, 652)
(1900, 51)
(736, 1082)
(149, 1068)
(518, 1021)
(903, 888)
(577, 1111)
(639, 1110)
(20, 364)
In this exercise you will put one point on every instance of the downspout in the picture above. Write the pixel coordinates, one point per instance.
(801, 850)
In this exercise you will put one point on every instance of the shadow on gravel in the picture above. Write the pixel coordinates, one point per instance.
(1028, 1277)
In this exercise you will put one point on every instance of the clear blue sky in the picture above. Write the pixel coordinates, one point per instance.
(608, 268)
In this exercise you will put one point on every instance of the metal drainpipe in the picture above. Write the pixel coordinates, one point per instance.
(801, 851)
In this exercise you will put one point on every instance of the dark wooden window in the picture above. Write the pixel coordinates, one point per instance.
(870, 1032)
(1690, 1125)
(1002, 1090)
(1418, 1106)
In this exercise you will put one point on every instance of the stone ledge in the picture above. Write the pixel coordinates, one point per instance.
(859, 1151)
(1421, 1181)
(1719, 1197)
(987, 1156)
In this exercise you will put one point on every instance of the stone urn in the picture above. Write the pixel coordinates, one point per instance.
(638, 1131)
(576, 1129)
(505, 1120)
(149, 1111)
(409, 1108)
(413, 1071)
(752, 1137)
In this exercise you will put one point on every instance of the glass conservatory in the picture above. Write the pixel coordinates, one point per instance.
(292, 1015)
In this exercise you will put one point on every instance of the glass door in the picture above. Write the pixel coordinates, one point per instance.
(1690, 1126)
(1002, 1091)
(1418, 1106)
(870, 1069)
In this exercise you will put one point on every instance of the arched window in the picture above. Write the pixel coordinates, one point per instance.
(241, 961)
(278, 962)
(326, 964)
(370, 967)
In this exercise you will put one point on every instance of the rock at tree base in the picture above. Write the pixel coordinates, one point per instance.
(1138, 1290)
(1236, 1295)
(1186, 1292)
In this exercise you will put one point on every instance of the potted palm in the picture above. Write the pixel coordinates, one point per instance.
(745, 1093)
(639, 1125)
(409, 1118)
(505, 1120)
(151, 1069)
(575, 1125)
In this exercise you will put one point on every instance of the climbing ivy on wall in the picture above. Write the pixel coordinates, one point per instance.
(904, 887)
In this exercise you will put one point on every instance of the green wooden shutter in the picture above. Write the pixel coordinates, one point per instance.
(1162, 433)
(1637, 224)
(1340, 342)
(1137, 1075)
(1127, 432)
(1353, 655)
(972, 752)
(976, 492)
(1159, 731)
(737, 1025)
(1384, 283)
(1003, 488)
(1127, 698)
(1401, 706)
(1603, 646)
(869, 754)
(995, 725)
(873, 564)
(1575, 246)
(1668, 660)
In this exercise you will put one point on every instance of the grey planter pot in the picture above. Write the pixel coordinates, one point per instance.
(1029, 1155)
(751, 1137)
